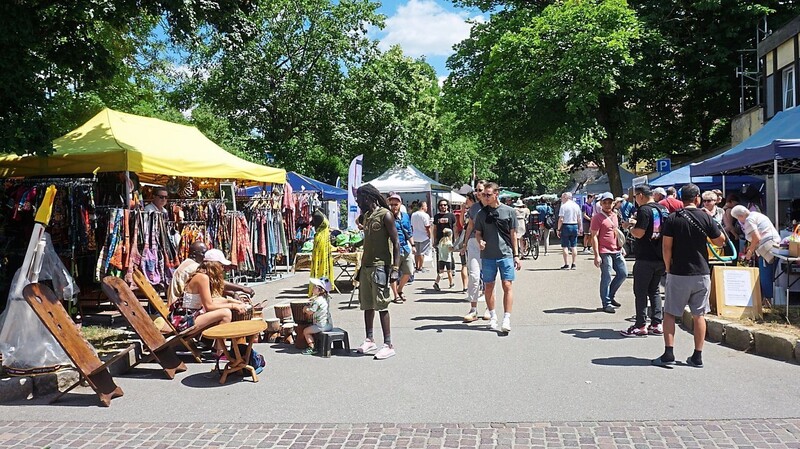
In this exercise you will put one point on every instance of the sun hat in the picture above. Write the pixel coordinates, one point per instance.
(605, 196)
(215, 255)
(322, 282)
(518, 203)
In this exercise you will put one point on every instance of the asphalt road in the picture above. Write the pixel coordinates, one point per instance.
(564, 360)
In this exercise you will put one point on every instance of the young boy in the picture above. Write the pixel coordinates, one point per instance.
(445, 247)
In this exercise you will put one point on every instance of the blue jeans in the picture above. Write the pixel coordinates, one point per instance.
(609, 287)
(766, 274)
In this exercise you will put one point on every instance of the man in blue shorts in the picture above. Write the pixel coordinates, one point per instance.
(568, 228)
(496, 232)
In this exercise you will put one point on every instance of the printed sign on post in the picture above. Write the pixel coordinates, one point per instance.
(664, 165)
(736, 292)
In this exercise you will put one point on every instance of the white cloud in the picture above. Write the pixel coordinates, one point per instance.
(442, 79)
(423, 27)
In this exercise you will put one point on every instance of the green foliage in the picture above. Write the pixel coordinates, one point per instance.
(54, 50)
(390, 104)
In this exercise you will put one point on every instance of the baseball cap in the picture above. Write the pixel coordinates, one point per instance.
(215, 255)
(660, 191)
(395, 196)
(605, 196)
(322, 282)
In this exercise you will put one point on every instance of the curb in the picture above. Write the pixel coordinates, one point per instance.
(766, 343)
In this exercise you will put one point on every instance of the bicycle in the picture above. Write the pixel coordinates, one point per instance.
(532, 243)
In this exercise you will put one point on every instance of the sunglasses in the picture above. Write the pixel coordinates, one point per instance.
(443, 205)
(488, 194)
(709, 201)
(479, 190)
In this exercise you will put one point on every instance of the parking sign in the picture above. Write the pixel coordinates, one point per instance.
(664, 165)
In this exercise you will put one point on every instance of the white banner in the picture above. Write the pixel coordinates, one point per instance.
(333, 215)
(353, 183)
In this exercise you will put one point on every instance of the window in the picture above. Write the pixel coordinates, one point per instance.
(788, 88)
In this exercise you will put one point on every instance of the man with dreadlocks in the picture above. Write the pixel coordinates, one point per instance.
(379, 266)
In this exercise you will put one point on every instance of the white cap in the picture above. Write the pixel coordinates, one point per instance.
(605, 196)
(215, 255)
(322, 282)
(659, 191)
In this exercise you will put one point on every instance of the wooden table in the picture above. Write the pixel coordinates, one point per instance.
(238, 331)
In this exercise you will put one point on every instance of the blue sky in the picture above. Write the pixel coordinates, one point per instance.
(425, 28)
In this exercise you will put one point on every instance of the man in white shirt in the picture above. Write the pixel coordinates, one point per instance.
(421, 232)
(159, 201)
(568, 228)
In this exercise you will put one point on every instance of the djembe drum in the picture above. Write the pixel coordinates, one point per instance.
(300, 314)
(241, 316)
(283, 312)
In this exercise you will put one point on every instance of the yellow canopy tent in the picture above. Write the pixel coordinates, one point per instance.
(115, 141)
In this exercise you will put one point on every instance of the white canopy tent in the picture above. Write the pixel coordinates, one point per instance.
(405, 179)
(451, 196)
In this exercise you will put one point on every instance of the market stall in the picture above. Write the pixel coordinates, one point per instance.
(105, 230)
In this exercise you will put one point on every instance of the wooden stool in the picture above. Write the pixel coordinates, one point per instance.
(325, 341)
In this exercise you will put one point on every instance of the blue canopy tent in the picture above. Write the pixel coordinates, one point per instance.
(683, 176)
(759, 151)
(302, 183)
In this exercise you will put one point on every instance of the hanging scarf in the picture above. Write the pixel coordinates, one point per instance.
(321, 260)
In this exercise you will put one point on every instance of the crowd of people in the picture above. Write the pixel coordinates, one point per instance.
(666, 230)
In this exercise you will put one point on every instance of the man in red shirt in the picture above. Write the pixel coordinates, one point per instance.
(671, 202)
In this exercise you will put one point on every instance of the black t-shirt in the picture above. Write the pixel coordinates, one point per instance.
(689, 252)
(650, 217)
(442, 221)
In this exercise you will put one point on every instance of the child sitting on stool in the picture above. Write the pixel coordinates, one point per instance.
(443, 249)
(319, 306)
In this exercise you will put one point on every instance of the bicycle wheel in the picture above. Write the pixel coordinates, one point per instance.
(527, 252)
(535, 245)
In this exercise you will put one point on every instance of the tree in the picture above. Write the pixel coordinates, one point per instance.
(391, 104)
(58, 49)
(281, 87)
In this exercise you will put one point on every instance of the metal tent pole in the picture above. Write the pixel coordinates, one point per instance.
(777, 197)
(724, 193)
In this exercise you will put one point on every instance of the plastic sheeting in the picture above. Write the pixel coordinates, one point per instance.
(25, 342)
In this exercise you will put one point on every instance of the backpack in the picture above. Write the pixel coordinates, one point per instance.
(256, 360)
(550, 222)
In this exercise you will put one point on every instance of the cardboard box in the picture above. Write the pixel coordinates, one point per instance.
(794, 249)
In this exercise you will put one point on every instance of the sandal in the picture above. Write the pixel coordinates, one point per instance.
(397, 300)
(402, 297)
(436, 287)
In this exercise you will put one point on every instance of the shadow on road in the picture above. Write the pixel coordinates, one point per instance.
(544, 269)
(457, 319)
(571, 310)
(211, 380)
(439, 328)
(600, 334)
(622, 361)
(442, 300)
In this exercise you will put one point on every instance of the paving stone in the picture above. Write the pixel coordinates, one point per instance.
(715, 328)
(738, 337)
(774, 345)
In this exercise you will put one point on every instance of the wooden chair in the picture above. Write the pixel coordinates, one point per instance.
(162, 351)
(185, 338)
(91, 369)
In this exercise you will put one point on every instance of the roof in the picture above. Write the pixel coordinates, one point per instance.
(405, 179)
(115, 141)
(784, 126)
(301, 183)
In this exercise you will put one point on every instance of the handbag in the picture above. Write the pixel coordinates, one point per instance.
(380, 277)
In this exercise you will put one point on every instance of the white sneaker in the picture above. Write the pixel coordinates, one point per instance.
(506, 325)
(367, 346)
(384, 353)
(493, 324)
(486, 315)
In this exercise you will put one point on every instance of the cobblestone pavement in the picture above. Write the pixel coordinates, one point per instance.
(763, 433)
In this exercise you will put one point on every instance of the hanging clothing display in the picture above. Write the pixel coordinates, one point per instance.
(321, 260)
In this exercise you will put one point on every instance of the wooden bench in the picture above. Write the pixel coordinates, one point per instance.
(91, 369)
(185, 338)
(161, 349)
